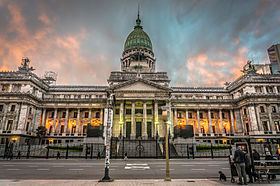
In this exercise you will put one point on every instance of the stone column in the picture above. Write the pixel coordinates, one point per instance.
(43, 122)
(264, 90)
(101, 115)
(253, 118)
(209, 122)
(175, 117)
(198, 122)
(54, 121)
(221, 127)
(78, 127)
(156, 119)
(187, 117)
(89, 116)
(258, 118)
(66, 121)
(231, 122)
(144, 134)
(133, 127)
(239, 121)
(121, 122)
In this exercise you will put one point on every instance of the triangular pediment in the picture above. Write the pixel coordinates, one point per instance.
(140, 85)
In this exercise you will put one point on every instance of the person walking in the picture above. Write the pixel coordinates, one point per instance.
(98, 155)
(239, 160)
(18, 155)
(58, 155)
(248, 167)
(125, 156)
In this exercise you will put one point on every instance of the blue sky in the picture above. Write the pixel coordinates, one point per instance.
(199, 43)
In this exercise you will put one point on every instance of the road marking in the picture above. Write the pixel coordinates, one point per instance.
(213, 165)
(137, 164)
(187, 165)
(43, 169)
(197, 169)
(8, 165)
(13, 169)
(76, 169)
(165, 169)
(226, 168)
(87, 166)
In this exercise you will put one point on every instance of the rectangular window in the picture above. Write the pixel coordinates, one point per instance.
(179, 115)
(117, 111)
(212, 115)
(128, 111)
(86, 114)
(75, 114)
(262, 109)
(223, 115)
(277, 126)
(9, 125)
(63, 114)
(1, 108)
(52, 114)
(273, 108)
(201, 115)
(13, 108)
(30, 110)
(149, 112)
(190, 115)
(138, 111)
(265, 126)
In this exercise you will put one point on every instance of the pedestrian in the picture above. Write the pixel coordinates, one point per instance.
(18, 155)
(248, 167)
(58, 155)
(125, 156)
(239, 160)
(98, 155)
(256, 155)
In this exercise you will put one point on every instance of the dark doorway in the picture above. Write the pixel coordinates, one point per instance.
(138, 129)
(149, 129)
(128, 129)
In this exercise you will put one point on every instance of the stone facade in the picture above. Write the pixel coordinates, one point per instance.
(250, 105)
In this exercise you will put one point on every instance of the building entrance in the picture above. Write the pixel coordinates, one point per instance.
(149, 129)
(138, 129)
(128, 129)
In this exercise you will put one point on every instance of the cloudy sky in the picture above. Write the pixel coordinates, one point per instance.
(199, 42)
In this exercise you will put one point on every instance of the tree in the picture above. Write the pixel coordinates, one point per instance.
(41, 132)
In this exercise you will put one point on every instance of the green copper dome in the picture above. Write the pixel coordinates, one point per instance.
(138, 38)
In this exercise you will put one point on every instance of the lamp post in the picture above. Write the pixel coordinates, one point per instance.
(108, 133)
(165, 114)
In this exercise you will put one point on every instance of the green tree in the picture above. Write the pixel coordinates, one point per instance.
(41, 132)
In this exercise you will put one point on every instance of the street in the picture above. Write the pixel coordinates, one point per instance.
(119, 169)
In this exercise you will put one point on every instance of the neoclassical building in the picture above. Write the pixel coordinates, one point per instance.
(249, 105)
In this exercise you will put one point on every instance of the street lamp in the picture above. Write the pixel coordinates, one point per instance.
(108, 134)
(165, 114)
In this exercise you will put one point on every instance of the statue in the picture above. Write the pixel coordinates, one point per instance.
(249, 68)
(25, 65)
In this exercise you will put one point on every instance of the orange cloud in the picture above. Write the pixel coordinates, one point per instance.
(49, 51)
(204, 71)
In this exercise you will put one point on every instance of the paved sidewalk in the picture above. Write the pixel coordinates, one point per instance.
(174, 182)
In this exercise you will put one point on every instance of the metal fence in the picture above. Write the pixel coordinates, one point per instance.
(151, 148)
